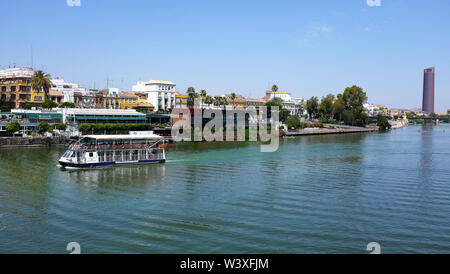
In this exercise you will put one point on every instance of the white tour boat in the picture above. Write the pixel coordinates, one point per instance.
(93, 151)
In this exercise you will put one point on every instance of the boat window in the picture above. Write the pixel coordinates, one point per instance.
(91, 154)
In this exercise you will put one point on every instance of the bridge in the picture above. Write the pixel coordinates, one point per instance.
(443, 119)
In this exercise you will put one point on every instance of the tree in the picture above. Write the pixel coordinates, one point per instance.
(60, 126)
(192, 95)
(293, 122)
(354, 97)
(410, 115)
(203, 96)
(217, 101)
(43, 127)
(49, 104)
(338, 108)
(209, 100)
(233, 98)
(275, 102)
(41, 82)
(284, 115)
(312, 107)
(223, 101)
(383, 123)
(274, 88)
(13, 127)
(67, 105)
(4, 109)
(326, 107)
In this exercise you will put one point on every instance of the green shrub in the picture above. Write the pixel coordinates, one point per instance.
(44, 127)
(88, 128)
(13, 127)
(49, 104)
(293, 122)
(67, 105)
(60, 126)
(383, 123)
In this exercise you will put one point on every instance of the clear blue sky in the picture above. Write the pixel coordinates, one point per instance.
(306, 47)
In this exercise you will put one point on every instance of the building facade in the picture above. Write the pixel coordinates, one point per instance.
(15, 87)
(128, 100)
(180, 100)
(68, 89)
(294, 105)
(161, 94)
(91, 99)
(428, 90)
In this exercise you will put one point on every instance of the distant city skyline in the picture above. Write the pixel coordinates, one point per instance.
(306, 48)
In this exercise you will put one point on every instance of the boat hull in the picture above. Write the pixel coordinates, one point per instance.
(110, 164)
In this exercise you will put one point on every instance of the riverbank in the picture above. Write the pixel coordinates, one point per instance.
(33, 141)
(324, 131)
(64, 141)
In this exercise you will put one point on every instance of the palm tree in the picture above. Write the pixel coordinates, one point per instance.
(233, 98)
(274, 88)
(41, 82)
(192, 95)
(223, 101)
(209, 100)
(217, 100)
(203, 96)
(190, 89)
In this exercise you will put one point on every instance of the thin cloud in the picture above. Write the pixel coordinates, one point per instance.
(316, 29)
(373, 3)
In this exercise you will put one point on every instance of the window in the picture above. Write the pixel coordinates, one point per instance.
(91, 154)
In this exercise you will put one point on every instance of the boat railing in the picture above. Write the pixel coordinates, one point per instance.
(121, 145)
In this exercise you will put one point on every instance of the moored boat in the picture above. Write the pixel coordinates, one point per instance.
(94, 151)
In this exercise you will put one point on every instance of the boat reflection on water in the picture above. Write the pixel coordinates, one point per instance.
(127, 176)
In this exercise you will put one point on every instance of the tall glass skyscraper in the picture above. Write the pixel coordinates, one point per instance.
(428, 91)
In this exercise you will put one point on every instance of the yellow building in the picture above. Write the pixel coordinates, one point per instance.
(128, 100)
(142, 97)
(142, 101)
(37, 96)
(180, 100)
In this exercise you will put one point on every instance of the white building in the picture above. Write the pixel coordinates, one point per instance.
(67, 89)
(294, 105)
(373, 110)
(161, 94)
(17, 72)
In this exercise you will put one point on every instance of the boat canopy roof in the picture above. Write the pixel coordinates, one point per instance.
(124, 137)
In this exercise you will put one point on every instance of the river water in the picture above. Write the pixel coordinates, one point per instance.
(316, 194)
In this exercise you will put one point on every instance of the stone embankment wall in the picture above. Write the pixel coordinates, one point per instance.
(33, 141)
